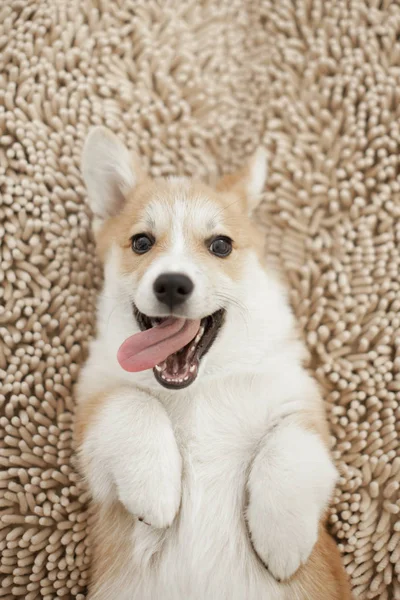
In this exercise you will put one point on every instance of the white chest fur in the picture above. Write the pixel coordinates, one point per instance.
(207, 551)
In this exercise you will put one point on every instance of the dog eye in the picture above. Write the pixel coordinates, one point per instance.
(142, 243)
(221, 246)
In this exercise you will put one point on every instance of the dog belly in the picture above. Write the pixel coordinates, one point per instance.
(214, 567)
(207, 553)
(225, 585)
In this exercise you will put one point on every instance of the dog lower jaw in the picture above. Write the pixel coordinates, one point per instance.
(180, 369)
(176, 382)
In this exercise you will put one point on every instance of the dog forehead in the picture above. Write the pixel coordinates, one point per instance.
(182, 207)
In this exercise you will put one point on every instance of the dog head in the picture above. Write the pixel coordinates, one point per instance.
(181, 260)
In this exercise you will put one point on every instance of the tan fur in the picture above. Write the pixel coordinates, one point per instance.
(315, 421)
(112, 546)
(235, 182)
(323, 577)
(231, 202)
(86, 412)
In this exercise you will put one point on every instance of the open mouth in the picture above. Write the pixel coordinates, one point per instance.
(180, 369)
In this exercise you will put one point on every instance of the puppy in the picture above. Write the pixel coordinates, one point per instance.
(202, 437)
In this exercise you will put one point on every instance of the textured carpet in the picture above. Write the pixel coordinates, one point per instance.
(195, 86)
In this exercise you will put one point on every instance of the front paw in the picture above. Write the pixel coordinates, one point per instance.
(290, 483)
(148, 481)
(155, 499)
(283, 536)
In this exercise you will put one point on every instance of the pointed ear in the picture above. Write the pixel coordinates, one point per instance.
(108, 171)
(250, 180)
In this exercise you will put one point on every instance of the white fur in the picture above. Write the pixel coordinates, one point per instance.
(181, 219)
(232, 435)
(107, 169)
(133, 455)
(290, 484)
(258, 172)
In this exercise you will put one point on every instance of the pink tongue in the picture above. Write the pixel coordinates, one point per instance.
(148, 348)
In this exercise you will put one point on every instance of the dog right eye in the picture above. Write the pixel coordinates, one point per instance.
(142, 243)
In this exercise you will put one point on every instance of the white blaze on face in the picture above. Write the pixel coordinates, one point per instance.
(182, 226)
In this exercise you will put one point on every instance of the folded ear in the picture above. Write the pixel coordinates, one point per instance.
(109, 172)
(250, 180)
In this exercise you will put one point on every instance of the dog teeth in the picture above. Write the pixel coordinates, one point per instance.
(192, 368)
(198, 336)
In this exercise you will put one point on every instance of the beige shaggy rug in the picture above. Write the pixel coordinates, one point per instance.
(195, 86)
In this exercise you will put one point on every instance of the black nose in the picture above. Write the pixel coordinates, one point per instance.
(173, 288)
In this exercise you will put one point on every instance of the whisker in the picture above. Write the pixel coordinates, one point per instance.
(122, 295)
(242, 309)
(111, 314)
(224, 208)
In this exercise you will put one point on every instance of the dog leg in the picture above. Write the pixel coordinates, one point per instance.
(128, 452)
(290, 484)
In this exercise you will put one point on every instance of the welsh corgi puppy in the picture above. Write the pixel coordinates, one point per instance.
(202, 437)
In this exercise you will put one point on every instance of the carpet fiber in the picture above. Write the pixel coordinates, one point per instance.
(195, 86)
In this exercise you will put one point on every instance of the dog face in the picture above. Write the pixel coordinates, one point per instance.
(177, 255)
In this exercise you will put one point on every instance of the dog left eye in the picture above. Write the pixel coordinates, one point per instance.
(142, 243)
(221, 246)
